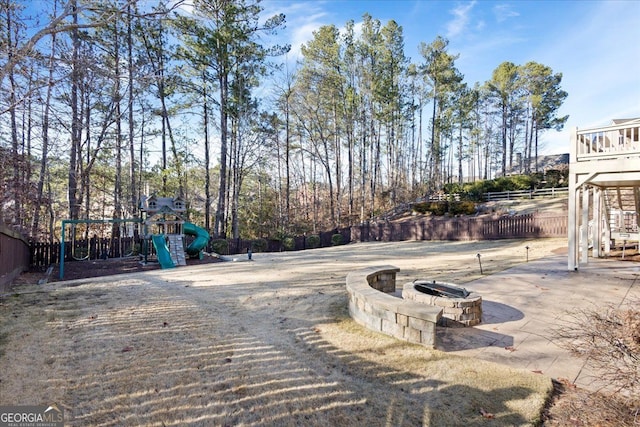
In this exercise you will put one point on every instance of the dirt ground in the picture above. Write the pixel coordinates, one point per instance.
(98, 268)
(266, 342)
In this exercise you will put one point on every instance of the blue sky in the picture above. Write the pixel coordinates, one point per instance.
(594, 44)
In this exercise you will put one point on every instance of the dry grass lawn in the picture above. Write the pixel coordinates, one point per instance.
(267, 342)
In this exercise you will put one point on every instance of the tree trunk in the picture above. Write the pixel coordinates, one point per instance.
(280, 195)
(207, 169)
(536, 131)
(75, 118)
(132, 154)
(460, 150)
(363, 166)
(220, 221)
(45, 139)
(117, 193)
(336, 216)
(287, 157)
(85, 178)
(421, 163)
(375, 162)
(504, 137)
(436, 151)
(15, 156)
(234, 170)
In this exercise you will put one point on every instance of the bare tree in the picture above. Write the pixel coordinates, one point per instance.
(45, 136)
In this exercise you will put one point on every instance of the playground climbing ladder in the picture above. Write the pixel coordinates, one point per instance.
(176, 249)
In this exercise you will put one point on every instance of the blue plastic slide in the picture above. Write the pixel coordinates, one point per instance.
(164, 257)
(202, 238)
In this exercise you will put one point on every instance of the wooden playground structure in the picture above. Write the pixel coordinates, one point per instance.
(160, 233)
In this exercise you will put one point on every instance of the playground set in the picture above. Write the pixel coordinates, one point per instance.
(159, 234)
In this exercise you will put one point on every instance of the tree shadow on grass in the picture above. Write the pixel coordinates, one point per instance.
(147, 354)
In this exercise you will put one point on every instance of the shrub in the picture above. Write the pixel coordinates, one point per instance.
(220, 246)
(135, 249)
(462, 208)
(289, 243)
(436, 208)
(516, 182)
(337, 239)
(421, 207)
(313, 241)
(259, 245)
(440, 208)
(557, 178)
(474, 191)
(453, 188)
(609, 340)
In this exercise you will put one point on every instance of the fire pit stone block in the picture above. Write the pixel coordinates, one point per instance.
(371, 305)
(465, 310)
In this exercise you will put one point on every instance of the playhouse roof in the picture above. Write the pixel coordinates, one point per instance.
(155, 204)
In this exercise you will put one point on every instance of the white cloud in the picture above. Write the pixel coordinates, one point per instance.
(503, 12)
(461, 19)
(303, 32)
(357, 29)
(182, 8)
(302, 19)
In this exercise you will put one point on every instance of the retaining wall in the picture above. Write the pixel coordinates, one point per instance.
(371, 306)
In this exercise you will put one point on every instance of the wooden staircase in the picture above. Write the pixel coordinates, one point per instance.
(176, 249)
(622, 209)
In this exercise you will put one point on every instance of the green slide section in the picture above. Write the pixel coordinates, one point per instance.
(164, 257)
(202, 238)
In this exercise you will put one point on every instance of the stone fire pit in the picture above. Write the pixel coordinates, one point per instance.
(459, 306)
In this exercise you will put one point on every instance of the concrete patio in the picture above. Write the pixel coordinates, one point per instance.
(523, 305)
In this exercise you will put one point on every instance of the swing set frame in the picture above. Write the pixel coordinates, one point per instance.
(87, 222)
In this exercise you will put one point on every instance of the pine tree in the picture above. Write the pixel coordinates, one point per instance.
(544, 98)
(503, 88)
(443, 77)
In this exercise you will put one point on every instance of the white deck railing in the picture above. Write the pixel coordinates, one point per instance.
(608, 141)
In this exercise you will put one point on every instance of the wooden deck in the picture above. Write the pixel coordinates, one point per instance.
(604, 189)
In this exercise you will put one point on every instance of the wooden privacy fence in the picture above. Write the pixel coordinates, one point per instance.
(431, 228)
(463, 228)
(45, 254)
(241, 246)
(14, 256)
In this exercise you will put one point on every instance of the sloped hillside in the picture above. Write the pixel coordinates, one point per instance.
(499, 208)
